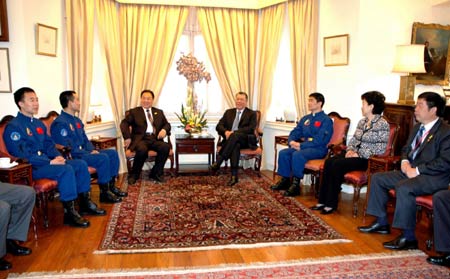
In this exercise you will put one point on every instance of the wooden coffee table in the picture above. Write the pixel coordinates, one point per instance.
(186, 144)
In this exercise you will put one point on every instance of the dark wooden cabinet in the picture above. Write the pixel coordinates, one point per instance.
(404, 116)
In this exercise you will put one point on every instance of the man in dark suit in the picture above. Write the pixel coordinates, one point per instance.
(237, 127)
(441, 223)
(149, 127)
(425, 169)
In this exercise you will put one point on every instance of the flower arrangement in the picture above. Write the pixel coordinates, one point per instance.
(191, 69)
(191, 118)
(191, 122)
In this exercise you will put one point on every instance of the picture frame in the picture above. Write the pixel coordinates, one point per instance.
(437, 64)
(335, 49)
(5, 71)
(4, 30)
(46, 40)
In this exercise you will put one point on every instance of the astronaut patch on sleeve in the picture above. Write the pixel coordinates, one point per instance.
(64, 133)
(15, 136)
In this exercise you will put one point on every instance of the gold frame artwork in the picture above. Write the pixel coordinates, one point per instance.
(46, 40)
(438, 37)
(4, 32)
(335, 50)
(5, 71)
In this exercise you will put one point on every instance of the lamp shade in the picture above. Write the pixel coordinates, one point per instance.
(409, 59)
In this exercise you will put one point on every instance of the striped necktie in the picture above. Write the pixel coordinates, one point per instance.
(417, 141)
(150, 118)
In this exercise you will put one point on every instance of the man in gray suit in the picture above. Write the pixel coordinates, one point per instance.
(16, 208)
(441, 223)
(425, 169)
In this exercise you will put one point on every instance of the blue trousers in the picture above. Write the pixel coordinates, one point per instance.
(292, 162)
(106, 163)
(73, 178)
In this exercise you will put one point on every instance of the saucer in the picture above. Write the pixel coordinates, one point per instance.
(10, 165)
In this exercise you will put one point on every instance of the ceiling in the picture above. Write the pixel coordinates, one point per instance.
(239, 4)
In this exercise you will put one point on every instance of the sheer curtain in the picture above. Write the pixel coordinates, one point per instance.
(233, 55)
(269, 43)
(303, 18)
(80, 41)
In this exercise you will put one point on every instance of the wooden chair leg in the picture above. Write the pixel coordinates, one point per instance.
(356, 194)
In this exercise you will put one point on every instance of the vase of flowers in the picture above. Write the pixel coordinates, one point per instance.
(192, 118)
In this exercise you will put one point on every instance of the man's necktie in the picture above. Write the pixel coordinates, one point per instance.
(236, 121)
(417, 141)
(150, 118)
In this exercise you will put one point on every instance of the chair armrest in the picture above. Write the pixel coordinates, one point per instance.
(383, 163)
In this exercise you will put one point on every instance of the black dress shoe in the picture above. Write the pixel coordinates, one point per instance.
(400, 243)
(326, 211)
(157, 178)
(317, 207)
(214, 167)
(375, 228)
(4, 264)
(131, 180)
(440, 260)
(13, 248)
(233, 180)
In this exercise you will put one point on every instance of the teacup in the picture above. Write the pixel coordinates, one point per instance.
(5, 162)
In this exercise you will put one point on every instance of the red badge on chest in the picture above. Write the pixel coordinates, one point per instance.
(40, 131)
(317, 124)
(78, 125)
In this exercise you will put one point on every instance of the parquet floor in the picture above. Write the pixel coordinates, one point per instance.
(64, 248)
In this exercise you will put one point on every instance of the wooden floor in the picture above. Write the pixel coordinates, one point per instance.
(64, 248)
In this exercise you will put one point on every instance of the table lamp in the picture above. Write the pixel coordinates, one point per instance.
(408, 59)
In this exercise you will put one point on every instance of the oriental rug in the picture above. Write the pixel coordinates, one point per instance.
(399, 265)
(189, 213)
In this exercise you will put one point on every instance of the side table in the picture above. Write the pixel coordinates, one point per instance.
(104, 142)
(187, 144)
(19, 174)
(281, 140)
(380, 164)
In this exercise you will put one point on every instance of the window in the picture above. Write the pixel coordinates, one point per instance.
(283, 88)
(174, 91)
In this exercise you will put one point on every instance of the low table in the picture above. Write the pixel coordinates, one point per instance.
(19, 174)
(104, 142)
(281, 140)
(191, 145)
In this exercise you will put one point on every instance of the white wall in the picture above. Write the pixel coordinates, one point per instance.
(375, 27)
(45, 74)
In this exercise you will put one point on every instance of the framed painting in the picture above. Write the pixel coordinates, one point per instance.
(335, 50)
(46, 40)
(5, 72)
(4, 33)
(435, 38)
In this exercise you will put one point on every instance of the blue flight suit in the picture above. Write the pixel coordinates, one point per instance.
(27, 138)
(68, 130)
(314, 131)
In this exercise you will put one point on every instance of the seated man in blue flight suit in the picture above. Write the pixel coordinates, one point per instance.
(26, 137)
(307, 141)
(68, 130)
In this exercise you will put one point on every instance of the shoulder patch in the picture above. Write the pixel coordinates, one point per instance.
(15, 136)
(64, 132)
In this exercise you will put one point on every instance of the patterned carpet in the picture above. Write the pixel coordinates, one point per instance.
(199, 212)
(399, 265)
